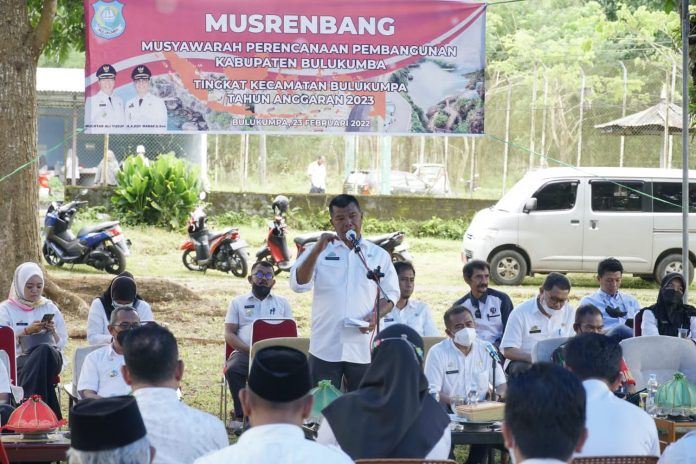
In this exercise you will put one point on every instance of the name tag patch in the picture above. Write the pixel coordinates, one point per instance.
(452, 372)
(332, 258)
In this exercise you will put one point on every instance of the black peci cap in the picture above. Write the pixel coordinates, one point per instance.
(279, 374)
(105, 423)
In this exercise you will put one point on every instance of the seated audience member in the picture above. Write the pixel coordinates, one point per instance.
(459, 361)
(588, 319)
(616, 307)
(669, 313)
(546, 316)
(108, 430)
(414, 314)
(391, 414)
(490, 307)
(544, 415)
(179, 433)
(277, 401)
(122, 292)
(40, 334)
(100, 376)
(682, 451)
(615, 427)
(243, 311)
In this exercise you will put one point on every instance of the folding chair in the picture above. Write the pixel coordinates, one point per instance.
(78, 359)
(429, 342)
(542, 351)
(17, 392)
(261, 329)
(7, 343)
(406, 461)
(637, 322)
(616, 460)
(299, 343)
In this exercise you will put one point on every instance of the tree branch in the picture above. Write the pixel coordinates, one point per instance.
(43, 29)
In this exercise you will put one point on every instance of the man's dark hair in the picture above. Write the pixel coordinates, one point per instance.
(456, 309)
(258, 264)
(471, 266)
(545, 411)
(151, 354)
(609, 265)
(586, 310)
(558, 280)
(594, 356)
(402, 266)
(341, 201)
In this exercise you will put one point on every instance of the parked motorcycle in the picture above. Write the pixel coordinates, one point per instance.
(224, 251)
(275, 248)
(393, 243)
(102, 246)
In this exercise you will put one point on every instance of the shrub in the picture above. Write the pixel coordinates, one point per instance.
(162, 194)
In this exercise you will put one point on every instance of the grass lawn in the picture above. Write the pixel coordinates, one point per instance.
(193, 305)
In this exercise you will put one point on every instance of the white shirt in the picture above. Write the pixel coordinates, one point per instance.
(98, 324)
(342, 290)
(12, 316)
(416, 315)
(649, 325)
(451, 372)
(101, 372)
(245, 309)
(441, 450)
(317, 174)
(103, 111)
(616, 427)
(148, 112)
(602, 300)
(276, 444)
(178, 432)
(682, 451)
(543, 461)
(527, 325)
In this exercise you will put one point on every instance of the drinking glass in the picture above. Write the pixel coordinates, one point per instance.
(472, 393)
(683, 333)
(456, 401)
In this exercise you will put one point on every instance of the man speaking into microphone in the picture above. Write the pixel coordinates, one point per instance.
(344, 297)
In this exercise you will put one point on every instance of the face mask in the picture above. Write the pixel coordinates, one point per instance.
(672, 296)
(119, 305)
(260, 291)
(465, 336)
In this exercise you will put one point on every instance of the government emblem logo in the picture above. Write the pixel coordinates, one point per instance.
(108, 21)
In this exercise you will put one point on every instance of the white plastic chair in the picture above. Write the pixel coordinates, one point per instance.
(542, 351)
(78, 359)
(659, 355)
(17, 392)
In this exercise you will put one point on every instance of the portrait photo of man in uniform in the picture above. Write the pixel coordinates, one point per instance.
(105, 109)
(145, 110)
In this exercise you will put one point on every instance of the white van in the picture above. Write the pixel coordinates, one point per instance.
(567, 220)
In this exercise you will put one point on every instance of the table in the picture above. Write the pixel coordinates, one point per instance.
(53, 449)
(669, 431)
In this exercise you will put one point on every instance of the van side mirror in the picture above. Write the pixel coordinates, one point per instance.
(530, 205)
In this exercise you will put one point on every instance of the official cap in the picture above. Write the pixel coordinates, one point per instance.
(105, 423)
(279, 374)
(106, 71)
(141, 72)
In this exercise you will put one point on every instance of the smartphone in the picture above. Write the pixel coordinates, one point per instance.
(47, 318)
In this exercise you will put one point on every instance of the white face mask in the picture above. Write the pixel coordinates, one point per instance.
(465, 336)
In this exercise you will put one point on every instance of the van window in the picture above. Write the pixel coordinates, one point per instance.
(557, 196)
(619, 196)
(672, 192)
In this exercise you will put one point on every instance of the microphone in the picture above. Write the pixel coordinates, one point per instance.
(492, 352)
(353, 237)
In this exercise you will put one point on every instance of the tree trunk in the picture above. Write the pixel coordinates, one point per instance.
(19, 229)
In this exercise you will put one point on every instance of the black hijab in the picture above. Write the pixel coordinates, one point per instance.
(122, 285)
(671, 314)
(391, 414)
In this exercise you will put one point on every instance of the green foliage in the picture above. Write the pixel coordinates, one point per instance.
(162, 194)
(68, 33)
(91, 214)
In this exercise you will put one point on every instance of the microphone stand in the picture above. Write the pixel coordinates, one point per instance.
(372, 274)
(494, 364)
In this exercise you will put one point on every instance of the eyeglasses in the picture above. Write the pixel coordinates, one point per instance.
(263, 275)
(127, 325)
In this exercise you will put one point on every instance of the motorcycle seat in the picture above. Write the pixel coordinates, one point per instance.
(98, 228)
(381, 238)
(215, 235)
(304, 239)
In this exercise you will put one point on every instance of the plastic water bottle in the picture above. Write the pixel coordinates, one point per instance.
(650, 406)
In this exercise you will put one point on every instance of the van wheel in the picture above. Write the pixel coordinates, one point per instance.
(508, 267)
(672, 263)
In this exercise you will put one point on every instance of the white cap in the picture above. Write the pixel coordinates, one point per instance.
(140, 149)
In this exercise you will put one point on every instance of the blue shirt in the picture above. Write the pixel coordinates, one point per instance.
(621, 301)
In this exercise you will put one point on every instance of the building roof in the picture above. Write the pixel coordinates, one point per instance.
(60, 80)
(650, 121)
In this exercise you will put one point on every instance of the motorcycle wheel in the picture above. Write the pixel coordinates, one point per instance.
(239, 263)
(119, 264)
(402, 257)
(51, 257)
(189, 260)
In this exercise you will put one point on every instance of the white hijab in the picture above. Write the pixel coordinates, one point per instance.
(23, 273)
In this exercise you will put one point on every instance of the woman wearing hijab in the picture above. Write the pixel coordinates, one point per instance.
(28, 313)
(669, 313)
(122, 291)
(391, 414)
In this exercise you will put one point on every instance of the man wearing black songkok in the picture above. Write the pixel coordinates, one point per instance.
(277, 401)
